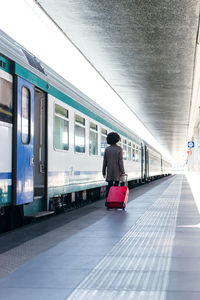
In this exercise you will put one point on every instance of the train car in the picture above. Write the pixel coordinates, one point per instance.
(53, 139)
(166, 167)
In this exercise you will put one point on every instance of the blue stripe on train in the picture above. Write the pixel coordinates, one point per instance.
(54, 173)
(85, 172)
(67, 173)
(5, 175)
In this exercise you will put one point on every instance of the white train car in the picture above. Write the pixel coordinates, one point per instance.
(166, 167)
(76, 164)
(5, 136)
(155, 163)
(53, 139)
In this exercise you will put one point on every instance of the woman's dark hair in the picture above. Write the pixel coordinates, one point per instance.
(113, 138)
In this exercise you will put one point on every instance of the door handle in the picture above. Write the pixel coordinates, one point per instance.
(32, 160)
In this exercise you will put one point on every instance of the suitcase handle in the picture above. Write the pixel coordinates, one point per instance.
(125, 182)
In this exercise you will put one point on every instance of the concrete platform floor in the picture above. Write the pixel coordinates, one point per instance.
(149, 251)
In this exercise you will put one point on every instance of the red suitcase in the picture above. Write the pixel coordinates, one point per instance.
(117, 197)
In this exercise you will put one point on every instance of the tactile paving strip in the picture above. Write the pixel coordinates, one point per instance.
(137, 266)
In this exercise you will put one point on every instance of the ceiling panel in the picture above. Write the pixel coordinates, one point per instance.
(144, 50)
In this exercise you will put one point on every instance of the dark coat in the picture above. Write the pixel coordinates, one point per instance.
(113, 165)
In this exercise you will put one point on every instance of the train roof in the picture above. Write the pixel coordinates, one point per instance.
(17, 53)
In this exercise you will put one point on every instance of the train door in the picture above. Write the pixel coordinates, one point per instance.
(146, 163)
(142, 162)
(23, 142)
(29, 143)
(40, 144)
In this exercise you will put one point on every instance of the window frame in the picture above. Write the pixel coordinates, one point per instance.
(65, 119)
(129, 149)
(124, 143)
(83, 126)
(105, 135)
(8, 120)
(29, 114)
(137, 153)
(133, 150)
(95, 131)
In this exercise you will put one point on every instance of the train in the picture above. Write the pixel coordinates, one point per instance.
(53, 139)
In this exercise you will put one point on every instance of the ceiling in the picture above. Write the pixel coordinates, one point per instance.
(145, 50)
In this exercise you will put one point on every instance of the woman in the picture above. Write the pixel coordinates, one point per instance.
(113, 165)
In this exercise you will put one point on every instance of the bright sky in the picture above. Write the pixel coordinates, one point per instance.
(30, 27)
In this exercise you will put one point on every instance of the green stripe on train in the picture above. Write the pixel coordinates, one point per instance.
(34, 79)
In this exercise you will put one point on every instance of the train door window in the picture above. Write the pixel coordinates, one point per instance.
(124, 149)
(93, 139)
(103, 140)
(25, 115)
(5, 101)
(133, 152)
(79, 133)
(61, 128)
(129, 150)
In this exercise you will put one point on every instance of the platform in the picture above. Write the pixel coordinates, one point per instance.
(149, 251)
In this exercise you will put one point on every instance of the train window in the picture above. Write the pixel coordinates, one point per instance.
(5, 101)
(133, 152)
(61, 128)
(104, 131)
(79, 133)
(136, 155)
(124, 149)
(103, 140)
(80, 120)
(25, 115)
(129, 151)
(139, 154)
(61, 111)
(93, 139)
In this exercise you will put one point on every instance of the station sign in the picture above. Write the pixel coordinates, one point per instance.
(189, 152)
(191, 144)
